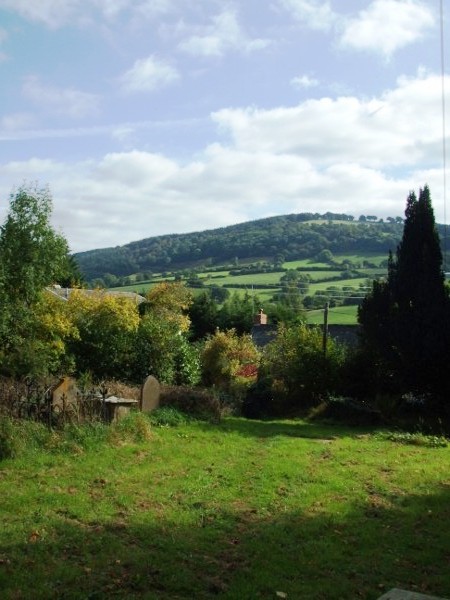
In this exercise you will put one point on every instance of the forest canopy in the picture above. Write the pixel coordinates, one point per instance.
(288, 237)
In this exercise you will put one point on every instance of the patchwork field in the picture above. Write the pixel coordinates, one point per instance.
(264, 285)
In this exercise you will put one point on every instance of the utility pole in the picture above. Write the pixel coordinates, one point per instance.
(325, 328)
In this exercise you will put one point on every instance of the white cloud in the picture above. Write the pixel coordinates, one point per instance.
(52, 13)
(148, 75)
(380, 132)
(316, 14)
(62, 101)
(304, 82)
(57, 13)
(223, 34)
(388, 25)
(149, 9)
(133, 195)
(341, 155)
(384, 26)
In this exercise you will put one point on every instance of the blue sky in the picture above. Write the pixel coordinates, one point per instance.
(148, 117)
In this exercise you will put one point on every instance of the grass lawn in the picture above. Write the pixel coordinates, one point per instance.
(239, 510)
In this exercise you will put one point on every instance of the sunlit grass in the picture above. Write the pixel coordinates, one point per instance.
(239, 510)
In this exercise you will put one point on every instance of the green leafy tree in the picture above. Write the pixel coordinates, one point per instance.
(405, 319)
(32, 256)
(71, 276)
(238, 312)
(107, 326)
(171, 301)
(203, 314)
(325, 256)
(162, 350)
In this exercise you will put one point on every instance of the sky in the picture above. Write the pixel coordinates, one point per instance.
(151, 117)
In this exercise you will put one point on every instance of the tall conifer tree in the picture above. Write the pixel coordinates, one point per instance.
(405, 320)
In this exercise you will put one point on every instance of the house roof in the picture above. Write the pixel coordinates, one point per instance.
(64, 293)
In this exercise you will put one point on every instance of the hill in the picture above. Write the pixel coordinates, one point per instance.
(273, 239)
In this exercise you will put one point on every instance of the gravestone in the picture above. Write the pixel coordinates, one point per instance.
(396, 594)
(65, 393)
(150, 394)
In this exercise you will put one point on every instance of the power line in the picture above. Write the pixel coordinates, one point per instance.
(444, 147)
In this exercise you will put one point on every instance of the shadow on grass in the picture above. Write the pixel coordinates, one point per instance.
(382, 542)
(290, 428)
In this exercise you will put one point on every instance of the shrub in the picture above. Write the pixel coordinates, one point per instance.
(259, 401)
(346, 410)
(226, 356)
(297, 371)
(198, 403)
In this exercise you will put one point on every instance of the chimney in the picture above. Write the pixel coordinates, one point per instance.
(261, 318)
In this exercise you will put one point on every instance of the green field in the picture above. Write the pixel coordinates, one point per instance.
(320, 281)
(248, 280)
(306, 263)
(237, 511)
(341, 283)
(341, 315)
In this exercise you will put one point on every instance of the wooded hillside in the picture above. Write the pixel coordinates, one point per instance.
(276, 239)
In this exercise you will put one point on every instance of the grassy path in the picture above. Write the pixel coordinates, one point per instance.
(240, 510)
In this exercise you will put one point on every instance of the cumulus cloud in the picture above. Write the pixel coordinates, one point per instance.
(315, 14)
(342, 155)
(62, 101)
(388, 25)
(148, 75)
(383, 27)
(375, 132)
(224, 33)
(133, 195)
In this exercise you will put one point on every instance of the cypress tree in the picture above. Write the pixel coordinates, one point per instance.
(405, 319)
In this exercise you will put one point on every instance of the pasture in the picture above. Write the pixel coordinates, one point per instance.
(264, 285)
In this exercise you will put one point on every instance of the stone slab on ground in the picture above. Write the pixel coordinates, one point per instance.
(396, 594)
(118, 408)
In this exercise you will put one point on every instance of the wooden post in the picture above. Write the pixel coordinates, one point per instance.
(325, 328)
